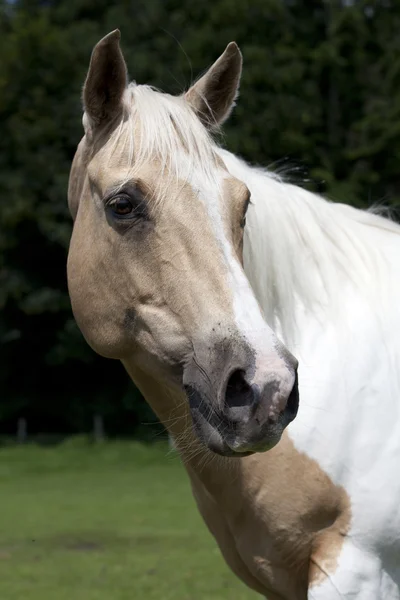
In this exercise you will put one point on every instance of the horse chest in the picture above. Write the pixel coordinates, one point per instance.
(274, 567)
(280, 522)
(281, 564)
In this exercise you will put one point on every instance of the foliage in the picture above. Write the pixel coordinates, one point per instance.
(320, 101)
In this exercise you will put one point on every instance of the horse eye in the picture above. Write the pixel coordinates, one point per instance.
(121, 206)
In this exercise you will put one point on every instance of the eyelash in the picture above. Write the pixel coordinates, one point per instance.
(114, 202)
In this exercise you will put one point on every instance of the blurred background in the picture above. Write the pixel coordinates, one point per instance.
(319, 103)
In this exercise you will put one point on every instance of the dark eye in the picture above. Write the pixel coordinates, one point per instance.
(121, 206)
(127, 206)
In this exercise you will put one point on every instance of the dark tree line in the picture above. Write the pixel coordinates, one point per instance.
(320, 101)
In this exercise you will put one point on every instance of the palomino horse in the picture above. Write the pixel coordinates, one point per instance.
(156, 280)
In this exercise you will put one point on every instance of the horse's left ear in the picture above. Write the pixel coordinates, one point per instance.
(106, 81)
(213, 96)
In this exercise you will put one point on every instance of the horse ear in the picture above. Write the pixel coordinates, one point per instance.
(106, 81)
(213, 96)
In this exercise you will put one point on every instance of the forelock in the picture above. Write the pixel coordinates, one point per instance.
(163, 128)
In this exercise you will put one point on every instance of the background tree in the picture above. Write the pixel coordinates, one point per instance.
(320, 102)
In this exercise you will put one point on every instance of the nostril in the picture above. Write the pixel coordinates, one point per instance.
(292, 404)
(238, 391)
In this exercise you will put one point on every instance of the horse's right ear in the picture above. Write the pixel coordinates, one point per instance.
(106, 81)
(213, 96)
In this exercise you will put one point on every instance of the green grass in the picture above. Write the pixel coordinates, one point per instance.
(114, 521)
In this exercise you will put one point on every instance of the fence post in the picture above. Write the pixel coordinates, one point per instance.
(22, 430)
(98, 428)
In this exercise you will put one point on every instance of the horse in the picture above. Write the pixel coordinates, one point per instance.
(224, 290)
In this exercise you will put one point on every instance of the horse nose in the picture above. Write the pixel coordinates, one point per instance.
(240, 396)
(275, 397)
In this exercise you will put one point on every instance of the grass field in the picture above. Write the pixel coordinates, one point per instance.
(113, 521)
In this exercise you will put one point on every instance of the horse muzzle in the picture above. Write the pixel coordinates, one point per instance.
(239, 408)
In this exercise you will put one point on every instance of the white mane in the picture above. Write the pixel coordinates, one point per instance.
(169, 131)
(299, 248)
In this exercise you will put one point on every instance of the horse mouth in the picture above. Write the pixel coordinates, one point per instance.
(235, 439)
